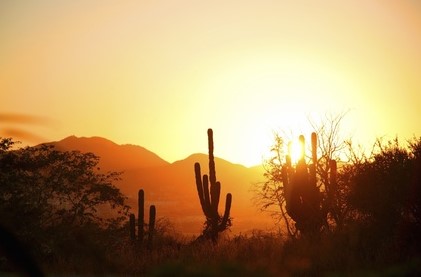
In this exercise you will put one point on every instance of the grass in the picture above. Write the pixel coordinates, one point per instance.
(270, 254)
(260, 253)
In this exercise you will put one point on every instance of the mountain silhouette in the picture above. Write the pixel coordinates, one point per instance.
(112, 156)
(171, 187)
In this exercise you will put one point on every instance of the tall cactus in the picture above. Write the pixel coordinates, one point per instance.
(303, 198)
(141, 222)
(209, 197)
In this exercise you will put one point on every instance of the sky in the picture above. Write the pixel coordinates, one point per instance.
(160, 73)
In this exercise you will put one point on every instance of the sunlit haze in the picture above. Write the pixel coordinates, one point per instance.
(159, 73)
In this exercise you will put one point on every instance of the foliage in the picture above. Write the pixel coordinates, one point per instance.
(376, 197)
(332, 146)
(379, 233)
(385, 194)
(49, 198)
(270, 195)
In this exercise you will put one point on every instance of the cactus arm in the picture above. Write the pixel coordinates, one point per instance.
(303, 148)
(199, 186)
(198, 178)
(314, 147)
(212, 171)
(225, 218)
(206, 195)
(203, 190)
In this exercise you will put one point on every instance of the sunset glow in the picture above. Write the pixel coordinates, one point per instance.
(159, 73)
(295, 151)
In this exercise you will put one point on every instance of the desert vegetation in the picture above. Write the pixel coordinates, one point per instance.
(70, 219)
(209, 197)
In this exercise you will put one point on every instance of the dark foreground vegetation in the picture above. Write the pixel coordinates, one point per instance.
(72, 220)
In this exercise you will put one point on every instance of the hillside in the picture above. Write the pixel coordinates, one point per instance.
(171, 187)
(113, 156)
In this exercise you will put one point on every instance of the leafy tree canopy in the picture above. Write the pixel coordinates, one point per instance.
(385, 188)
(47, 196)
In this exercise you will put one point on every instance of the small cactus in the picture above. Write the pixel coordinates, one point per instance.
(141, 222)
(140, 215)
(209, 197)
(152, 214)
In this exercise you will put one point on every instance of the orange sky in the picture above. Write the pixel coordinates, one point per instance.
(159, 73)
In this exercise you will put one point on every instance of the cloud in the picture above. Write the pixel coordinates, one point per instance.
(8, 121)
(20, 134)
(23, 119)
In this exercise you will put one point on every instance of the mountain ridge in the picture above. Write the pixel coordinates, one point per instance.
(171, 186)
(70, 140)
(134, 155)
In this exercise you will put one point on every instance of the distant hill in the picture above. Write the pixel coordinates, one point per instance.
(113, 156)
(171, 186)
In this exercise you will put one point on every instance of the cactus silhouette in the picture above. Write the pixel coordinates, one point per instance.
(140, 215)
(141, 222)
(209, 197)
(152, 214)
(303, 197)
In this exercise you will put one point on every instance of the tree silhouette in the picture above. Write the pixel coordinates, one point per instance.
(384, 199)
(332, 146)
(49, 197)
(385, 188)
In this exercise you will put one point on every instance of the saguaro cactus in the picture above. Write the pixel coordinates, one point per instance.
(209, 197)
(141, 222)
(303, 198)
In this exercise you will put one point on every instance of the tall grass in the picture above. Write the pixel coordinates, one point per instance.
(350, 252)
